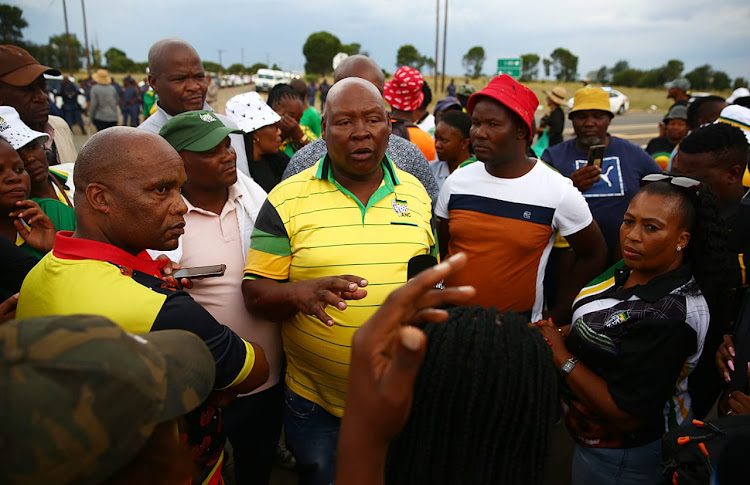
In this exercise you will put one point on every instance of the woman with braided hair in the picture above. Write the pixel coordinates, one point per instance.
(638, 331)
(484, 401)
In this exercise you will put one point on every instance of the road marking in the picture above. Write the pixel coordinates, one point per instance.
(637, 136)
(634, 127)
(649, 126)
(633, 136)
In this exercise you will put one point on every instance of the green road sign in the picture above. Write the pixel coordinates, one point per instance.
(511, 67)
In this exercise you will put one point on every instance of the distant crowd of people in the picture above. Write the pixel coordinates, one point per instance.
(393, 296)
(103, 100)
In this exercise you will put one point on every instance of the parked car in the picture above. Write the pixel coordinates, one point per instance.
(618, 102)
(265, 79)
(54, 88)
(214, 77)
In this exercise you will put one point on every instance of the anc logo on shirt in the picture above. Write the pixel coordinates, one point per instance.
(616, 319)
(400, 207)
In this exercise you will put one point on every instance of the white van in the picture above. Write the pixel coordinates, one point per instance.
(265, 79)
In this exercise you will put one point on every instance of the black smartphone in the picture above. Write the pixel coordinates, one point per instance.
(200, 272)
(596, 154)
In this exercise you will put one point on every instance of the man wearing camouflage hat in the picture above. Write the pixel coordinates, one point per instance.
(85, 402)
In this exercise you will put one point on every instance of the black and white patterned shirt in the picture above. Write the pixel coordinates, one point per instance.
(644, 341)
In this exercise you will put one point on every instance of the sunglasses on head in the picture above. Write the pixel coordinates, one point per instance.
(682, 182)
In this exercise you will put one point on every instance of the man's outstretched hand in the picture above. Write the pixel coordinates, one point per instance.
(311, 297)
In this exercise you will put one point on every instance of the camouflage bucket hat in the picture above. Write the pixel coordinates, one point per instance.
(80, 396)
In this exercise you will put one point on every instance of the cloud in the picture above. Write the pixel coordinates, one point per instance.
(645, 33)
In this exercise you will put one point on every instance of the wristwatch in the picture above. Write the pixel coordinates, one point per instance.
(568, 366)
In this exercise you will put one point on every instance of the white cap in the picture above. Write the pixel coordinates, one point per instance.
(738, 93)
(15, 131)
(738, 116)
(250, 112)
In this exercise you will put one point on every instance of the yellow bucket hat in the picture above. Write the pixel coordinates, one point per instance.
(591, 98)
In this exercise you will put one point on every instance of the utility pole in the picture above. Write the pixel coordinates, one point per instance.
(242, 56)
(67, 39)
(445, 40)
(86, 38)
(437, 40)
(220, 63)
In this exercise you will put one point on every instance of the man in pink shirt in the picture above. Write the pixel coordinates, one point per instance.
(222, 207)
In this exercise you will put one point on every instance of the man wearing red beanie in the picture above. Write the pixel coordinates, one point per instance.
(506, 211)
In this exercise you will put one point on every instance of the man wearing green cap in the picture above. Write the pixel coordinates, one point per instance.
(609, 188)
(222, 206)
(128, 200)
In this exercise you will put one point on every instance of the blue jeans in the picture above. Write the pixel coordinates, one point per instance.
(312, 434)
(130, 115)
(72, 115)
(617, 466)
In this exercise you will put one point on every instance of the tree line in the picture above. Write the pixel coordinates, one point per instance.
(701, 78)
(563, 65)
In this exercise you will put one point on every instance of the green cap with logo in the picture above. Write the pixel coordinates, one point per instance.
(195, 131)
(80, 396)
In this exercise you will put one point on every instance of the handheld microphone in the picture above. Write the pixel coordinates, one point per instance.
(419, 263)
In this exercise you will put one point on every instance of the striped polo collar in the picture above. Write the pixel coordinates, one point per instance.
(324, 171)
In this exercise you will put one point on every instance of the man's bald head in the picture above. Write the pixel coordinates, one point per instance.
(340, 91)
(128, 190)
(111, 153)
(163, 50)
(362, 67)
(355, 128)
(177, 76)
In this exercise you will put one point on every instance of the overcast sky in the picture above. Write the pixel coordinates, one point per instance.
(646, 33)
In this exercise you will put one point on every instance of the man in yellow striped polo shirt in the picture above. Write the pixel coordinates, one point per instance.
(352, 213)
